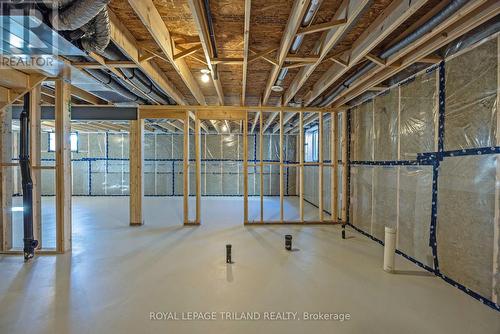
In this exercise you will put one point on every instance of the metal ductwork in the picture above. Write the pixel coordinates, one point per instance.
(97, 33)
(108, 80)
(433, 22)
(137, 78)
(75, 14)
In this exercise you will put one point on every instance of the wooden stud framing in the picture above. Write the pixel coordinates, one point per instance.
(35, 160)
(6, 179)
(185, 169)
(282, 184)
(334, 171)
(63, 161)
(197, 154)
(261, 164)
(321, 27)
(320, 167)
(136, 151)
(345, 158)
(301, 167)
(245, 169)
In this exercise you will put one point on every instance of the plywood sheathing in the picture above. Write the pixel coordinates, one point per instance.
(126, 14)
(228, 18)
(267, 22)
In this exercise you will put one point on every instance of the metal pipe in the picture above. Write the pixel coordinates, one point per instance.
(434, 21)
(27, 183)
(138, 78)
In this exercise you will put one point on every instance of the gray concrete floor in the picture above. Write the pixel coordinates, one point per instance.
(116, 275)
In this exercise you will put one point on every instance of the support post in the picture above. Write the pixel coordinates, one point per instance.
(197, 153)
(63, 160)
(301, 166)
(186, 168)
(6, 179)
(261, 156)
(344, 167)
(136, 151)
(335, 165)
(282, 185)
(245, 169)
(320, 167)
(35, 159)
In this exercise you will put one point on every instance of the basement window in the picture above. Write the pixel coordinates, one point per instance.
(311, 144)
(73, 139)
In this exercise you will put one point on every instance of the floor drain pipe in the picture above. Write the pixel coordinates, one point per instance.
(27, 184)
(228, 254)
(389, 249)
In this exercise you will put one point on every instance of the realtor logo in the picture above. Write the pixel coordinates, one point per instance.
(26, 41)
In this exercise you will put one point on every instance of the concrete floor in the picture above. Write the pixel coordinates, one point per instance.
(116, 275)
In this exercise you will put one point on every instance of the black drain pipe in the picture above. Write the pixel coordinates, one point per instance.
(24, 162)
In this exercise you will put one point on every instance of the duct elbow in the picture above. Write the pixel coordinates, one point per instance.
(77, 14)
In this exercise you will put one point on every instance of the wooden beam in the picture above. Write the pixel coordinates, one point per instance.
(294, 20)
(152, 20)
(334, 142)
(105, 64)
(301, 166)
(187, 52)
(10, 90)
(136, 153)
(321, 27)
(299, 59)
(63, 161)
(268, 109)
(259, 54)
(350, 10)
(320, 167)
(469, 16)
(35, 160)
(296, 65)
(376, 59)
(185, 170)
(245, 169)
(282, 172)
(197, 157)
(340, 61)
(390, 19)
(261, 166)
(246, 42)
(234, 115)
(345, 159)
(6, 180)
(227, 61)
(199, 16)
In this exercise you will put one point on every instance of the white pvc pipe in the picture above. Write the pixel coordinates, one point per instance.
(389, 248)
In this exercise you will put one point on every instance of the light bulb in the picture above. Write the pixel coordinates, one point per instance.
(205, 78)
